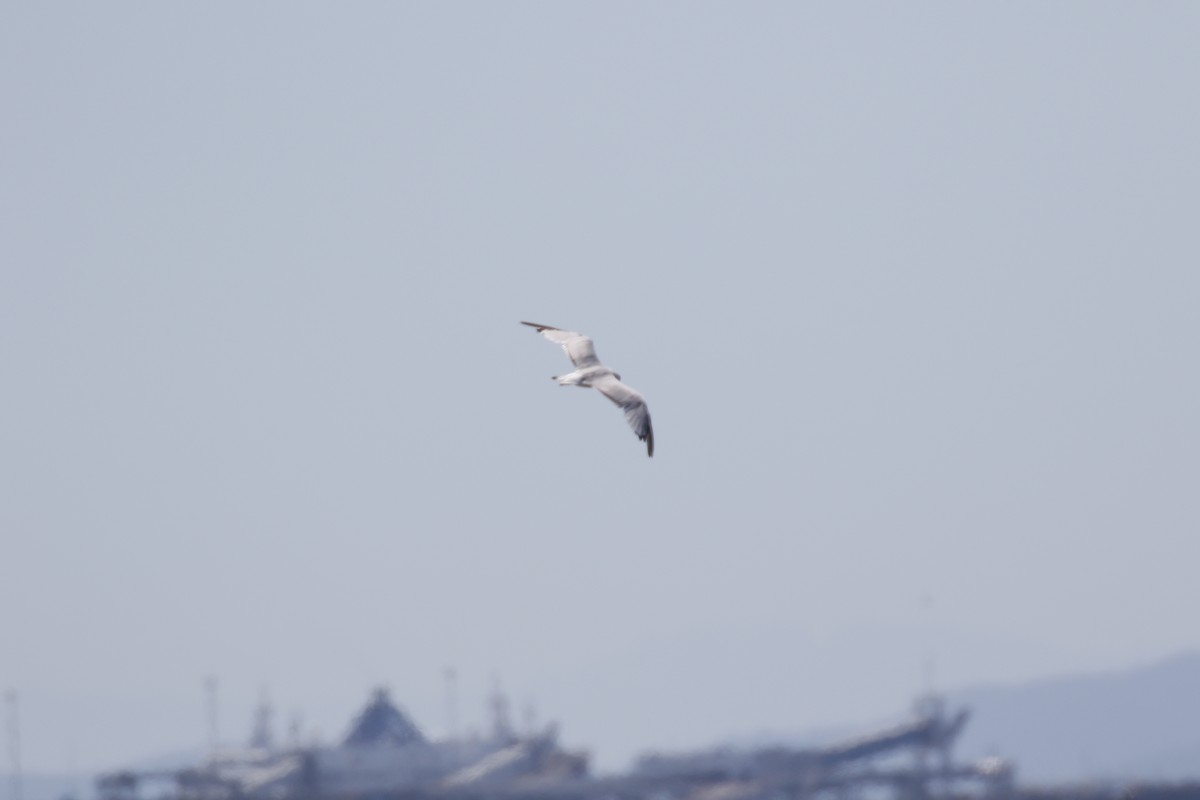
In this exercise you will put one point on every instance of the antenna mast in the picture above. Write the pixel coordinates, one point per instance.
(14, 743)
(502, 728)
(451, 676)
(928, 657)
(261, 735)
(210, 692)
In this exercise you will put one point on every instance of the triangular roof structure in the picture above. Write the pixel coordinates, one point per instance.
(381, 722)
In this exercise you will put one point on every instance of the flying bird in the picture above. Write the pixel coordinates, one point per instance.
(589, 372)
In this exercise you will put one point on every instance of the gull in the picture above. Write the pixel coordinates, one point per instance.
(589, 372)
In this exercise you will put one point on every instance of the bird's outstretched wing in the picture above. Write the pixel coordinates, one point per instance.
(579, 347)
(633, 404)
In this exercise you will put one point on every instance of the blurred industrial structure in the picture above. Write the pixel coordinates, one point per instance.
(384, 756)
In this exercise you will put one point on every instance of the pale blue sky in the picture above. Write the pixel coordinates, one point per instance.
(911, 289)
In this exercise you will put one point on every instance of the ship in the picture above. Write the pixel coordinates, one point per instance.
(385, 756)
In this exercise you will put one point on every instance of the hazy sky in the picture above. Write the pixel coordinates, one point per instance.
(911, 290)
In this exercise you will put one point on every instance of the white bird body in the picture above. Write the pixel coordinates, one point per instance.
(590, 373)
(585, 377)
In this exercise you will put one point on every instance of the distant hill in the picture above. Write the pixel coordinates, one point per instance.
(1141, 724)
(1138, 724)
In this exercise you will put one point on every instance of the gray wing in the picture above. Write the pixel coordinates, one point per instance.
(579, 347)
(633, 404)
